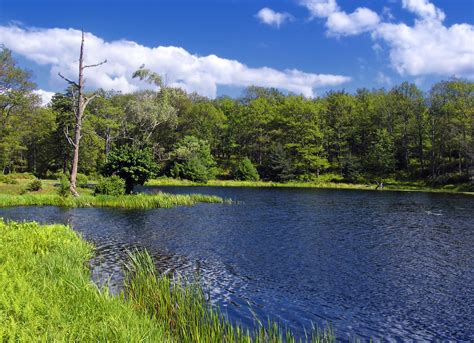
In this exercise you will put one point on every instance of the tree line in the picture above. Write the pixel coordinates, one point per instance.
(401, 133)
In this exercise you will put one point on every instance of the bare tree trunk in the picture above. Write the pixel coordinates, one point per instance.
(81, 105)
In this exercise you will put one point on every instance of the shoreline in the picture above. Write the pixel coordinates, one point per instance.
(164, 182)
(48, 295)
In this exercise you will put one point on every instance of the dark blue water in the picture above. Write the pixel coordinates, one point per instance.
(386, 265)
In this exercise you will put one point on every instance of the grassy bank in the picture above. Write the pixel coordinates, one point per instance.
(390, 185)
(47, 296)
(140, 201)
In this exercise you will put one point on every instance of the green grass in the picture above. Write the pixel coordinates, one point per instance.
(140, 201)
(47, 295)
(390, 185)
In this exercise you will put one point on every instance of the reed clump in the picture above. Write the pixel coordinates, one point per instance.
(187, 314)
(139, 201)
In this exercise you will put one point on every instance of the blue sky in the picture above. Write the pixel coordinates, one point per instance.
(303, 46)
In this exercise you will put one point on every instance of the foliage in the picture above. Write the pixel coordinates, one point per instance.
(192, 160)
(401, 132)
(9, 179)
(64, 186)
(113, 185)
(132, 164)
(245, 171)
(34, 186)
(82, 180)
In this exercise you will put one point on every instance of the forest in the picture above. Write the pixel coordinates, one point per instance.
(402, 133)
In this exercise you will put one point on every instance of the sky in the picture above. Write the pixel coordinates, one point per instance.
(219, 47)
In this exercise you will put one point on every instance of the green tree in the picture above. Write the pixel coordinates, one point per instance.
(192, 159)
(246, 171)
(133, 164)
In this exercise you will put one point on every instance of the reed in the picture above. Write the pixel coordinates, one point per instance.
(185, 311)
(140, 201)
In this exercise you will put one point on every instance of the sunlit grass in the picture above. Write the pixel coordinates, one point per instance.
(140, 201)
(46, 294)
(390, 185)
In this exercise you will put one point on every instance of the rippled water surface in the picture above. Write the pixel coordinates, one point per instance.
(389, 265)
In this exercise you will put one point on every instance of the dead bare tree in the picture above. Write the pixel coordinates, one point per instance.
(80, 103)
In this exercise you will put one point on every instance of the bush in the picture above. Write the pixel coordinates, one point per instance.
(192, 160)
(246, 171)
(64, 186)
(22, 176)
(82, 180)
(133, 164)
(193, 170)
(8, 179)
(113, 185)
(34, 186)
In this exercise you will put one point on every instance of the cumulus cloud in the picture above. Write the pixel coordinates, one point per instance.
(321, 8)
(427, 47)
(424, 9)
(361, 20)
(340, 23)
(44, 95)
(58, 49)
(270, 17)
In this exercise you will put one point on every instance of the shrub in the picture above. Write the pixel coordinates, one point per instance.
(192, 160)
(113, 185)
(8, 179)
(64, 186)
(246, 171)
(82, 180)
(34, 186)
(193, 170)
(23, 176)
(133, 164)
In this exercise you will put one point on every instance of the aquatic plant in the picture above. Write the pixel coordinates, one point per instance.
(184, 309)
(139, 201)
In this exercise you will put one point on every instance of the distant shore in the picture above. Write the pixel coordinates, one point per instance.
(389, 186)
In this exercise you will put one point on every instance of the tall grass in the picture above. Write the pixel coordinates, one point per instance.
(140, 201)
(186, 313)
(46, 294)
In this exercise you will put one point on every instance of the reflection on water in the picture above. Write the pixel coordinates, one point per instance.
(374, 264)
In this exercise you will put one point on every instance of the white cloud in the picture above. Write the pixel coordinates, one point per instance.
(44, 95)
(424, 9)
(270, 17)
(428, 47)
(340, 23)
(361, 20)
(320, 8)
(58, 49)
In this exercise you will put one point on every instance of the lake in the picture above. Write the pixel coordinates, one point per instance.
(388, 265)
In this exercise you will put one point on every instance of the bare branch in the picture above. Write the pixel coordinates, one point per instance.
(69, 81)
(94, 65)
(89, 99)
(69, 139)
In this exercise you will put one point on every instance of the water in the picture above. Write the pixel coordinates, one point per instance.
(386, 265)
